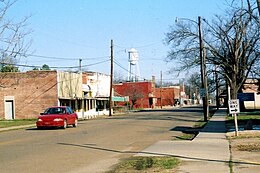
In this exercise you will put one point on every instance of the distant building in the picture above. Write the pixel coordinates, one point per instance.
(251, 94)
(146, 95)
(167, 96)
(141, 94)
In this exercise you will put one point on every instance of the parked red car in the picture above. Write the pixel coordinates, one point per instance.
(59, 116)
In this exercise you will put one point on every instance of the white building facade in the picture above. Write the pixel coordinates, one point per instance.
(96, 91)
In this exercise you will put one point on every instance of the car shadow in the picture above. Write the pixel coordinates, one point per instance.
(47, 128)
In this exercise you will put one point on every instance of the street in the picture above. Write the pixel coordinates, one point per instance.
(94, 146)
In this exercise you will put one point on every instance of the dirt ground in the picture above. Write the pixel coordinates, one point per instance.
(245, 151)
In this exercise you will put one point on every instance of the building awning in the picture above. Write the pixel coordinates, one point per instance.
(76, 98)
(102, 98)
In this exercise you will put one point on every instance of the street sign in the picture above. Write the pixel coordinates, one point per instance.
(120, 99)
(233, 106)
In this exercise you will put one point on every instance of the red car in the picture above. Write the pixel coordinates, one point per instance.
(59, 116)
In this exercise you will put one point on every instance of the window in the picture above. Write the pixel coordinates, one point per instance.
(69, 110)
(55, 111)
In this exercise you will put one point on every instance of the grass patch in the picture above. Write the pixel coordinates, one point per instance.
(191, 133)
(200, 124)
(10, 123)
(244, 136)
(186, 136)
(146, 164)
(255, 147)
(244, 117)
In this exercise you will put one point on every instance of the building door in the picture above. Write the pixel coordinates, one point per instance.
(151, 102)
(9, 109)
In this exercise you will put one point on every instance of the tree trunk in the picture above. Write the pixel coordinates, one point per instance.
(233, 96)
(233, 87)
(233, 93)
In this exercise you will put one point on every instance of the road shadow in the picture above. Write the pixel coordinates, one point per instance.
(182, 109)
(186, 129)
(185, 116)
(94, 147)
(209, 127)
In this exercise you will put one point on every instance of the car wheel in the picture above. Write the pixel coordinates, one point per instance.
(65, 124)
(39, 127)
(75, 123)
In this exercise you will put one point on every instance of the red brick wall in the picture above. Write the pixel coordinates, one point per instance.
(168, 95)
(33, 91)
(140, 90)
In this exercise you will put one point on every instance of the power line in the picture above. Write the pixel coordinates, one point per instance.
(141, 46)
(52, 57)
(59, 58)
(117, 63)
(54, 67)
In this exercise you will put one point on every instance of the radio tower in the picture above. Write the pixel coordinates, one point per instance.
(133, 70)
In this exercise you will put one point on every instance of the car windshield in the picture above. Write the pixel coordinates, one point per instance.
(54, 111)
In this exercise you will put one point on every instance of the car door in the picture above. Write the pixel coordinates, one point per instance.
(70, 115)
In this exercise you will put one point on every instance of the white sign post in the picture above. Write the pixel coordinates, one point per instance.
(234, 108)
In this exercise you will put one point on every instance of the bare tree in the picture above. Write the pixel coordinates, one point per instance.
(135, 93)
(118, 77)
(13, 36)
(258, 6)
(232, 43)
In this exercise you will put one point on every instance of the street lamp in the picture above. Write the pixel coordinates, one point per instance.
(204, 85)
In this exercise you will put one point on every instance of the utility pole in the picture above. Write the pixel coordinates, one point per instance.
(217, 88)
(80, 66)
(82, 102)
(203, 72)
(161, 90)
(111, 80)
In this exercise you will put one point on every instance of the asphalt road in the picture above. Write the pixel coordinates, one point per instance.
(94, 146)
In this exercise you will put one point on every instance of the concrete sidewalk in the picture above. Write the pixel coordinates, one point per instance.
(208, 152)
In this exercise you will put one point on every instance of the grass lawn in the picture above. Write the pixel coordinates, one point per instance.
(10, 123)
(147, 164)
(243, 119)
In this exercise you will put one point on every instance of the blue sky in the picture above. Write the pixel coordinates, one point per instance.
(66, 30)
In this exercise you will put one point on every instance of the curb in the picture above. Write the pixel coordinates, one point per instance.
(16, 127)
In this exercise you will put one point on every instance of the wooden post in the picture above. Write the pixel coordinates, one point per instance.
(111, 81)
(236, 125)
(203, 72)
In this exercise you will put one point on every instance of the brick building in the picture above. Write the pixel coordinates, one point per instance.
(27, 94)
(167, 96)
(147, 95)
(141, 94)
